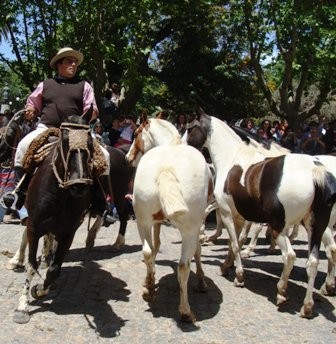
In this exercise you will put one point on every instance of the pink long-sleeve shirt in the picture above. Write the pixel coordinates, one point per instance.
(35, 99)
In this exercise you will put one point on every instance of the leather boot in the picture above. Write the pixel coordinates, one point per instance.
(15, 199)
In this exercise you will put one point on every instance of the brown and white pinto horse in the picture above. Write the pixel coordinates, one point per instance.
(173, 182)
(329, 161)
(281, 191)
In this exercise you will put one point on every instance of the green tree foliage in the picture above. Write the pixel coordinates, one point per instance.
(301, 35)
(173, 53)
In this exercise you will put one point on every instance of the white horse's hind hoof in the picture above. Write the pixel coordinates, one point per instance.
(21, 317)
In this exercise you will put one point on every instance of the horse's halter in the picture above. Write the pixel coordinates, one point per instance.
(78, 141)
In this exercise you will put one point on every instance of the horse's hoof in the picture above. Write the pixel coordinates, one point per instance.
(239, 283)
(21, 317)
(271, 251)
(202, 239)
(245, 254)
(14, 266)
(225, 269)
(43, 265)
(119, 243)
(148, 295)
(89, 244)
(306, 312)
(328, 290)
(282, 299)
(188, 317)
(34, 291)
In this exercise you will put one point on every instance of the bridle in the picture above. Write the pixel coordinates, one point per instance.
(78, 141)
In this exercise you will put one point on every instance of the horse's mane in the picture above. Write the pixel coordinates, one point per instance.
(176, 137)
(247, 136)
(249, 139)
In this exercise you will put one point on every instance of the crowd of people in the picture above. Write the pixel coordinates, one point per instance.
(313, 138)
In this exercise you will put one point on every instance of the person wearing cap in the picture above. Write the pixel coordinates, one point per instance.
(53, 101)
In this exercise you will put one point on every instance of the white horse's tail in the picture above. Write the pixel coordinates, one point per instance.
(170, 193)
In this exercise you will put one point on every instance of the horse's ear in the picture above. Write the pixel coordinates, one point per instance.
(160, 115)
(144, 116)
(199, 110)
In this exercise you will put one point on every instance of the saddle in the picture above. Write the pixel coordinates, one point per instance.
(40, 147)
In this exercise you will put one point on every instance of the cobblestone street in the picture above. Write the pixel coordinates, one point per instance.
(97, 298)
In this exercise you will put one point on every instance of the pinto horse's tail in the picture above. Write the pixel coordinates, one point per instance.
(325, 184)
(170, 193)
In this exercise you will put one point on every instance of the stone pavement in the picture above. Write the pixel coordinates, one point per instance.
(98, 296)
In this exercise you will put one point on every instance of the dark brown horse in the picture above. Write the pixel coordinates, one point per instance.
(58, 197)
(120, 176)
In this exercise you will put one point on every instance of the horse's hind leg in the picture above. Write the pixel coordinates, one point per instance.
(294, 233)
(235, 252)
(199, 270)
(18, 260)
(145, 232)
(156, 237)
(219, 227)
(253, 242)
(328, 287)
(188, 249)
(288, 256)
(92, 233)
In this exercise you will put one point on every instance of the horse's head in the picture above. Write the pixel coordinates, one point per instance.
(73, 158)
(151, 133)
(138, 149)
(197, 135)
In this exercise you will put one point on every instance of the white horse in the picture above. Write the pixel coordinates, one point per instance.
(171, 182)
(281, 191)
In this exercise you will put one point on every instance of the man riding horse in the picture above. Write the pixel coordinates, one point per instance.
(55, 101)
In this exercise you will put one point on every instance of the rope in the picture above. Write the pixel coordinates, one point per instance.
(14, 118)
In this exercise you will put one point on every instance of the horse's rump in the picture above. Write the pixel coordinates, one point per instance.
(172, 179)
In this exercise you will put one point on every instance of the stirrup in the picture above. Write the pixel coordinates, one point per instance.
(108, 219)
(9, 200)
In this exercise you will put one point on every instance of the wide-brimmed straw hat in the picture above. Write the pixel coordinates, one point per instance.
(66, 52)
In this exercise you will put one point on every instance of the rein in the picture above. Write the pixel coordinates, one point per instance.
(76, 132)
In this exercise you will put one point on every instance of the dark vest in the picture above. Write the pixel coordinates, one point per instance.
(61, 99)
